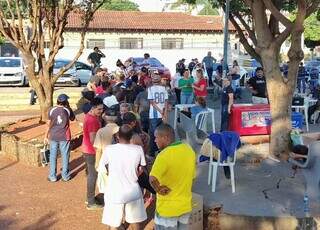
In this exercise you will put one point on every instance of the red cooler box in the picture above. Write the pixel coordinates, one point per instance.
(250, 119)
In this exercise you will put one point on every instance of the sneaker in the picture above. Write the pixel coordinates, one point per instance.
(94, 206)
(52, 180)
(66, 179)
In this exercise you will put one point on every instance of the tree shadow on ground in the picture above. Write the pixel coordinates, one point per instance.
(45, 222)
(5, 222)
(8, 166)
(76, 166)
(25, 128)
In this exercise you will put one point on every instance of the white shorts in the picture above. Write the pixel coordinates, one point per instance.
(134, 212)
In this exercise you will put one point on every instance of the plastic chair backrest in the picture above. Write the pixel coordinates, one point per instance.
(201, 120)
(186, 123)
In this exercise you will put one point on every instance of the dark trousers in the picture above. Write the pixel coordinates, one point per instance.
(210, 72)
(178, 95)
(33, 97)
(144, 118)
(143, 181)
(154, 123)
(92, 175)
(301, 85)
(224, 118)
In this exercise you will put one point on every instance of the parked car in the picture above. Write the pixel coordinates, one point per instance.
(12, 72)
(153, 64)
(77, 75)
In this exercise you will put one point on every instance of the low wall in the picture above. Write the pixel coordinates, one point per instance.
(26, 152)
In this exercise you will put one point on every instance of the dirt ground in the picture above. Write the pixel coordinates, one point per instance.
(28, 201)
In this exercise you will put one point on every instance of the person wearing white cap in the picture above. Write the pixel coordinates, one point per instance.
(158, 97)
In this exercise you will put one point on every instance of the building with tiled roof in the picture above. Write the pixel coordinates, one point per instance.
(150, 22)
(166, 36)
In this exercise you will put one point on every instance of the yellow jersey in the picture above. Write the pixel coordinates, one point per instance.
(175, 167)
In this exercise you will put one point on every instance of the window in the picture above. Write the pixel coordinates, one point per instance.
(171, 43)
(131, 43)
(91, 43)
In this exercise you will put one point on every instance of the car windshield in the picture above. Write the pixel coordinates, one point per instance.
(60, 64)
(152, 61)
(8, 62)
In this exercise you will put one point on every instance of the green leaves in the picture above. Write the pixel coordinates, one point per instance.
(312, 31)
(120, 5)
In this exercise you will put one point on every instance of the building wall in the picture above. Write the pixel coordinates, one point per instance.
(194, 46)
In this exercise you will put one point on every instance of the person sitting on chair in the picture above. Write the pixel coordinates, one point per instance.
(299, 153)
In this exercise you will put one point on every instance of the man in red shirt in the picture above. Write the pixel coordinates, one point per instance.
(91, 125)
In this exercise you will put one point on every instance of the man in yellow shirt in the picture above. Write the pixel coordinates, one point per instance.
(171, 176)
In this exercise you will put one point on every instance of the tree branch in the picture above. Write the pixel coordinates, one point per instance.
(313, 7)
(87, 17)
(244, 40)
(247, 27)
(276, 13)
(6, 26)
(264, 35)
(282, 37)
(20, 24)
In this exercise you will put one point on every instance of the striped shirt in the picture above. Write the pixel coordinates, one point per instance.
(159, 95)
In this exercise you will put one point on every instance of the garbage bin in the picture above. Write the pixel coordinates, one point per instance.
(296, 120)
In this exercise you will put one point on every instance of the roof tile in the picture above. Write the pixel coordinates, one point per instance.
(149, 21)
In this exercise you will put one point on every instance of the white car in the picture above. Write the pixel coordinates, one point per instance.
(12, 72)
(77, 75)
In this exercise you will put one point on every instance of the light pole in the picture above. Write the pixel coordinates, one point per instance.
(226, 38)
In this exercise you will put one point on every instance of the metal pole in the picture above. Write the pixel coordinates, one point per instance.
(226, 38)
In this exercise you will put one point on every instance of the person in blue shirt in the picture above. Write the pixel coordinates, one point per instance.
(209, 61)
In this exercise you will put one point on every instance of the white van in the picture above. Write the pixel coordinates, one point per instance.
(12, 72)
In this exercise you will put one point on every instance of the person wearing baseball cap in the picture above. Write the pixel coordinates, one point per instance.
(58, 135)
(158, 97)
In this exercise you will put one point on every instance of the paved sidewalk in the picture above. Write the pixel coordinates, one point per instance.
(267, 189)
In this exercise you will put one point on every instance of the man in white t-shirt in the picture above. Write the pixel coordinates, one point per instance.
(158, 97)
(122, 162)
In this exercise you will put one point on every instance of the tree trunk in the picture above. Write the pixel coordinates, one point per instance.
(280, 96)
(44, 90)
(280, 93)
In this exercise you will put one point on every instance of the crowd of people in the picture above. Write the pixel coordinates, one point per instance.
(129, 148)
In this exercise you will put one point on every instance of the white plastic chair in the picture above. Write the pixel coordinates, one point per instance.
(202, 118)
(213, 169)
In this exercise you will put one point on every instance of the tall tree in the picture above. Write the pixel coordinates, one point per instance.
(120, 5)
(261, 22)
(28, 24)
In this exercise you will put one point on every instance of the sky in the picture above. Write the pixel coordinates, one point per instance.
(151, 5)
